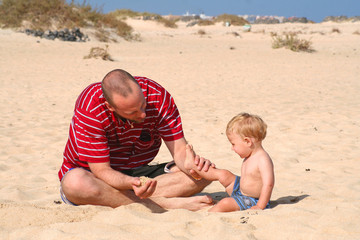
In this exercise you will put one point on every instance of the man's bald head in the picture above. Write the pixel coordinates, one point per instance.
(118, 82)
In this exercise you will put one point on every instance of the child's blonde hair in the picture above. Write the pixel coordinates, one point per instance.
(247, 125)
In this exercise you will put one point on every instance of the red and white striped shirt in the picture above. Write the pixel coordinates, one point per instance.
(96, 135)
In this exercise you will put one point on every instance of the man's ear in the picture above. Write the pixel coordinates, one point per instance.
(109, 106)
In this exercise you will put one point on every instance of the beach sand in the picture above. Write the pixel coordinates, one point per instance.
(310, 102)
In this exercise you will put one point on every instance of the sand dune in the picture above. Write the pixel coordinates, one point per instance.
(310, 102)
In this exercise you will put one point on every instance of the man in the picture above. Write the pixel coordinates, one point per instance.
(115, 133)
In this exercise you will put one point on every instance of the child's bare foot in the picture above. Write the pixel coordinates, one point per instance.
(190, 156)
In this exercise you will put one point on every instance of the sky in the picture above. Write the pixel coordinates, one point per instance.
(315, 10)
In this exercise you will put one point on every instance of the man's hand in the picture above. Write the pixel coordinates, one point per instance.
(145, 190)
(202, 164)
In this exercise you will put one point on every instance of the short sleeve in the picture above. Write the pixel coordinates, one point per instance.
(91, 138)
(170, 125)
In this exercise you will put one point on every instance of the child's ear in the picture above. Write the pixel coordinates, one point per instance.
(248, 141)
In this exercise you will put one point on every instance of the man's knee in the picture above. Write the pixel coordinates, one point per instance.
(79, 182)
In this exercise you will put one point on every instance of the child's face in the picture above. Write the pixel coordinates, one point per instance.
(240, 145)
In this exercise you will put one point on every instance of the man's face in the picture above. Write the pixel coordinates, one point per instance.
(131, 107)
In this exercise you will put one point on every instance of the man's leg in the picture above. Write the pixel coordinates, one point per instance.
(82, 187)
(178, 184)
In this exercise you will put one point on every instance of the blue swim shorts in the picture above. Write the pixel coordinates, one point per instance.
(244, 202)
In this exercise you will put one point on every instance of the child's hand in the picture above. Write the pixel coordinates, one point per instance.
(256, 207)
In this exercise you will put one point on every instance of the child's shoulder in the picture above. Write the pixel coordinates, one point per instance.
(262, 155)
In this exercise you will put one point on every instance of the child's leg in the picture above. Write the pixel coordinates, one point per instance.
(225, 177)
(225, 205)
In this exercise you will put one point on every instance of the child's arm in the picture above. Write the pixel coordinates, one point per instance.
(267, 175)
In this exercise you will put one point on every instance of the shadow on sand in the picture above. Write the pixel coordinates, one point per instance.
(287, 200)
(217, 196)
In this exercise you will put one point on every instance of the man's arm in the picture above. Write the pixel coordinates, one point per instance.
(177, 149)
(121, 181)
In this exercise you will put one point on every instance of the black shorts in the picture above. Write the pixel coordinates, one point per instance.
(150, 171)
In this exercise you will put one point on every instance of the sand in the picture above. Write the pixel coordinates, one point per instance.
(310, 102)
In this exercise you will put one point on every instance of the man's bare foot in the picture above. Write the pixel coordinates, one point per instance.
(191, 203)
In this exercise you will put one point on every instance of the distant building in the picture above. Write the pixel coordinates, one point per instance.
(249, 18)
(204, 17)
(189, 17)
(256, 19)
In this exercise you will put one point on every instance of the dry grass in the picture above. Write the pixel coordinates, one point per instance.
(98, 52)
(232, 19)
(317, 32)
(58, 14)
(335, 30)
(45, 13)
(201, 32)
(292, 42)
(167, 22)
(103, 35)
(205, 22)
(235, 34)
(127, 13)
(260, 31)
(124, 14)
